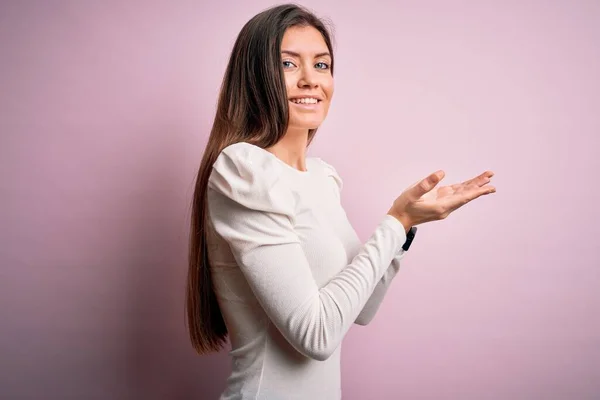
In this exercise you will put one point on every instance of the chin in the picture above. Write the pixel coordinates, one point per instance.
(312, 123)
(305, 126)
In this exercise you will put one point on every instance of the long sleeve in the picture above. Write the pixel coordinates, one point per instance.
(370, 309)
(253, 210)
(368, 312)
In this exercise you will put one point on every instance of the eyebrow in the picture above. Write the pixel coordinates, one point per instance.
(293, 53)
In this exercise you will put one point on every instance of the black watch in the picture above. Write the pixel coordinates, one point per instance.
(410, 235)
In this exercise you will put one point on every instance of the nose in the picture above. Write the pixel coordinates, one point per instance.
(308, 78)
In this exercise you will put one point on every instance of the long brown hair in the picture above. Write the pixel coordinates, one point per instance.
(252, 108)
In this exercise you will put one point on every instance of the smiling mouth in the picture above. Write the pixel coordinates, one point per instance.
(306, 101)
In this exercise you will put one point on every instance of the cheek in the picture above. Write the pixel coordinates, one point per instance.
(289, 83)
(328, 88)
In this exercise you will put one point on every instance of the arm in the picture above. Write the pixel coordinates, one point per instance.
(256, 221)
(370, 309)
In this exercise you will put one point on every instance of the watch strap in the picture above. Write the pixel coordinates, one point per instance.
(410, 235)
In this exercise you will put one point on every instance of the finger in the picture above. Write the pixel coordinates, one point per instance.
(458, 201)
(426, 185)
(472, 195)
(478, 182)
(481, 179)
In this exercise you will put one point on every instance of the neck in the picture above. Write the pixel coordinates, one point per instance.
(291, 149)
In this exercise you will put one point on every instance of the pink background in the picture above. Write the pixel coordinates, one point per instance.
(104, 113)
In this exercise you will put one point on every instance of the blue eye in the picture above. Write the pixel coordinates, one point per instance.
(287, 62)
(325, 65)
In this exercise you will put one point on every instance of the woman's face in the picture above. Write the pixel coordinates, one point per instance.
(306, 67)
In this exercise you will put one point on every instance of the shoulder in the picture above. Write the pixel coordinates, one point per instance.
(246, 174)
(330, 171)
(245, 164)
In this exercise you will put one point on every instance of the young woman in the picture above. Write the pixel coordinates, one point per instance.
(274, 262)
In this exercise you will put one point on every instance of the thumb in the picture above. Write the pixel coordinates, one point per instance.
(426, 184)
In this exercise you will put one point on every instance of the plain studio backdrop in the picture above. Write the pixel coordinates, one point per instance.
(105, 109)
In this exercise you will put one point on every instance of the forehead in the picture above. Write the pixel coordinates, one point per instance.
(305, 40)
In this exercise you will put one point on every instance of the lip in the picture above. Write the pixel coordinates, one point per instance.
(307, 96)
(306, 106)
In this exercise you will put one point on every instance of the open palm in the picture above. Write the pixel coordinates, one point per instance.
(423, 201)
(457, 194)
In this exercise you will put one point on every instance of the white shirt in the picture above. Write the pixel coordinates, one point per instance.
(290, 273)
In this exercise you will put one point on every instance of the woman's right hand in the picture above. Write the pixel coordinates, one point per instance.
(420, 203)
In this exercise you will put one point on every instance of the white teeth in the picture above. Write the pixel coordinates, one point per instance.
(306, 100)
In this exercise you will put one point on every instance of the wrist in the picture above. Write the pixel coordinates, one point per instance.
(404, 220)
